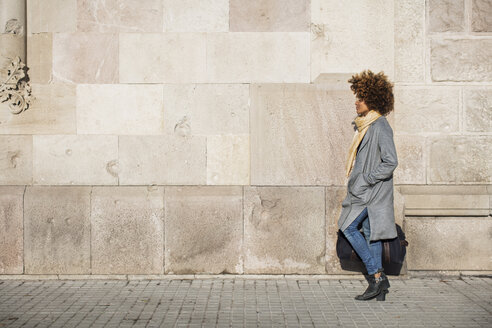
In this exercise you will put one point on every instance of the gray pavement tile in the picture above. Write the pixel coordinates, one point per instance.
(220, 302)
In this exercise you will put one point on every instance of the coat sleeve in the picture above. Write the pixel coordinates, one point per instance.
(389, 160)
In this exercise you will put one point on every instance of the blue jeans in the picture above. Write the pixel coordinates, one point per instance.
(368, 251)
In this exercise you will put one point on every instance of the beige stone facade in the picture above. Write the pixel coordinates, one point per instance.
(183, 137)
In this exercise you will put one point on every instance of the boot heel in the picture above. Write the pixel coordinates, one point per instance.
(382, 295)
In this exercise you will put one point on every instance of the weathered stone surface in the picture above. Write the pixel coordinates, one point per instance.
(169, 58)
(460, 159)
(57, 230)
(228, 160)
(333, 197)
(352, 36)
(16, 160)
(206, 109)
(119, 109)
(196, 16)
(51, 16)
(446, 15)
(244, 57)
(411, 163)
(85, 57)
(409, 40)
(52, 111)
(75, 160)
(290, 124)
(478, 109)
(13, 9)
(461, 60)
(284, 230)
(424, 109)
(452, 243)
(481, 16)
(127, 230)
(269, 16)
(40, 57)
(165, 160)
(204, 228)
(12, 230)
(119, 16)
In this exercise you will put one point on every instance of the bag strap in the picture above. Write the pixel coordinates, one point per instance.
(387, 255)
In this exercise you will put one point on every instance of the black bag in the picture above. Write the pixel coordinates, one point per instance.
(393, 254)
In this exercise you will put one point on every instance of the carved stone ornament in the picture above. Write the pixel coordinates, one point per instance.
(16, 89)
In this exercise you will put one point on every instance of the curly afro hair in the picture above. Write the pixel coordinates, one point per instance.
(374, 89)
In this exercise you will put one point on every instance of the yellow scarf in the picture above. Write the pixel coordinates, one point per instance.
(362, 123)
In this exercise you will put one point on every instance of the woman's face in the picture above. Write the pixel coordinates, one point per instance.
(361, 107)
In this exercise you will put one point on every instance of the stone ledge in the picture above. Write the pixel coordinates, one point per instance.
(445, 200)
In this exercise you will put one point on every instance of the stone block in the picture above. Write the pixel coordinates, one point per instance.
(228, 160)
(453, 243)
(115, 16)
(460, 159)
(75, 160)
(289, 128)
(11, 229)
(244, 57)
(196, 16)
(446, 15)
(40, 57)
(57, 230)
(426, 109)
(352, 36)
(206, 109)
(471, 60)
(284, 230)
(478, 109)
(481, 19)
(269, 16)
(52, 111)
(51, 16)
(127, 230)
(85, 57)
(119, 109)
(168, 57)
(204, 229)
(162, 160)
(16, 160)
(409, 40)
(411, 161)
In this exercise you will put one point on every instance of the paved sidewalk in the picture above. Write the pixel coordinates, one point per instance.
(239, 302)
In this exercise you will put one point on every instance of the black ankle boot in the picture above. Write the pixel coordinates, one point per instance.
(374, 290)
(384, 280)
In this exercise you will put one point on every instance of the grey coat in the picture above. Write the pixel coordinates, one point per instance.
(370, 183)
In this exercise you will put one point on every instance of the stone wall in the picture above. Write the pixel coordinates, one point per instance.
(200, 136)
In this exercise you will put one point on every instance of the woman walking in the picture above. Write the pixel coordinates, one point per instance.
(371, 162)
